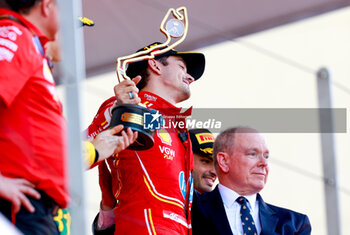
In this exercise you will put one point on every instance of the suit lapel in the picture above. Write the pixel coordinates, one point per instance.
(268, 218)
(213, 203)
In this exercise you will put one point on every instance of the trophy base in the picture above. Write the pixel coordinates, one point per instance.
(131, 115)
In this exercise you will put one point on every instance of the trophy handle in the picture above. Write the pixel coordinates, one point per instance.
(180, 14)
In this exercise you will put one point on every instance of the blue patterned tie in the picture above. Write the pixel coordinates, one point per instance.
(246, 217)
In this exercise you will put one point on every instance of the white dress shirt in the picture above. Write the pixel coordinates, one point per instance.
(233, 208)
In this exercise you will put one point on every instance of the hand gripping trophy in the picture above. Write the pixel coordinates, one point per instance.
(131, 115)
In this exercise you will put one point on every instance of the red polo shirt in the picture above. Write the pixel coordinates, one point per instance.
(32, 128)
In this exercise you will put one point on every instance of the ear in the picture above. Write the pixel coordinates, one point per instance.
(45, 6)
(154, 66)
(223, 160)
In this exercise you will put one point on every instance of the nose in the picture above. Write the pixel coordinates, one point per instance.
(263, 161)
(212, 171)
(190, 78)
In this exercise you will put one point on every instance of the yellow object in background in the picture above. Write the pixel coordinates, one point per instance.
(86, 22)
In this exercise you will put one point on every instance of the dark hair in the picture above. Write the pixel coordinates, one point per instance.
(145, 74)
(21, 6)
(3, 4)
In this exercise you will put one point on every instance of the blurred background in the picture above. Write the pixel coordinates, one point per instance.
(259, 54)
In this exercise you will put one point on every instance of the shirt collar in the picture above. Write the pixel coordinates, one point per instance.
(43, 39)
(229, 197)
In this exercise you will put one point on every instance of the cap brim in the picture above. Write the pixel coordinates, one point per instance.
(195, 63)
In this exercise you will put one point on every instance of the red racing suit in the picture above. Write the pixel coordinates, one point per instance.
(154, 187)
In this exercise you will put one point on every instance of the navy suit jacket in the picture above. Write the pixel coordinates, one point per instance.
(209, 217)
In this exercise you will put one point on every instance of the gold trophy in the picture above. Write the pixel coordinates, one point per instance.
(174, 26)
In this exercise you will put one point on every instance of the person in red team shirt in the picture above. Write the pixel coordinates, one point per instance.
(32, 128)
(152, 188)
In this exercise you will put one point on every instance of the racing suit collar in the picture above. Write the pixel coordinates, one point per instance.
(154, 101)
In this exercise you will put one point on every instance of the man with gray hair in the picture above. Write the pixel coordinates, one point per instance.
(235, 206)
